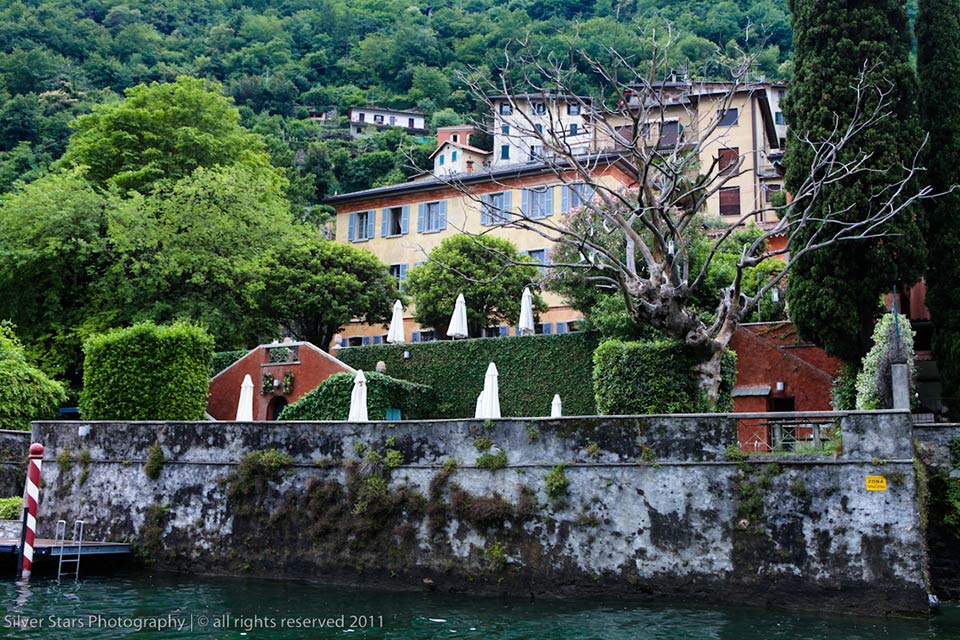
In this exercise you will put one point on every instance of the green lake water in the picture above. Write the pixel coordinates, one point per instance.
(135, 606)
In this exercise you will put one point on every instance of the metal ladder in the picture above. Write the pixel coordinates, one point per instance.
(75, 549)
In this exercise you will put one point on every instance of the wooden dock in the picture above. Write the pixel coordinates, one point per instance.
(48, 548)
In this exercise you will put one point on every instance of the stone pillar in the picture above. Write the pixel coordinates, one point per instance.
(900, 385)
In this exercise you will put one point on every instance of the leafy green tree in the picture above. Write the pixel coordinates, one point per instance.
(26, 393)
(849, 60)
(316, 286)
(938, 51)
(161, 133)
(475, 267)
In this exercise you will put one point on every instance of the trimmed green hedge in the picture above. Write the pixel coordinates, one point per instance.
(223, 359)
(331, 400)
(147, 372)
(26, 393)
(654, 377)
(532, 369)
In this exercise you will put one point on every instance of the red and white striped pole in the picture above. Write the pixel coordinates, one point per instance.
(31, 499)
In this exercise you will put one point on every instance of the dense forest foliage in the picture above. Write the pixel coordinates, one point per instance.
(280, 60)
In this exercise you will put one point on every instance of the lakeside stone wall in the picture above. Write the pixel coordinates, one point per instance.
(14, 449)
(643, 506)
(943, 541)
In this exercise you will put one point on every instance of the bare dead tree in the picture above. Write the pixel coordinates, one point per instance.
(658, 217)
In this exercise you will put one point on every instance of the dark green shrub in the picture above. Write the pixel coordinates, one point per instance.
(223, 359)
(331, 400)
(26, 393)
(492, 461)
(155, 460)
(654, 377)
(147, 372)
(532, 369)
(557, 482)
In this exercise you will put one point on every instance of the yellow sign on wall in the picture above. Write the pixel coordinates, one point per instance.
(876, 483)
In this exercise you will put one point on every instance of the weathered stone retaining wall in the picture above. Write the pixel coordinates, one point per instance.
(647, 505)
(14, 449)
(943, 541)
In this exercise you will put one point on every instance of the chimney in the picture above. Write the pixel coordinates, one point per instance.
(469, 166)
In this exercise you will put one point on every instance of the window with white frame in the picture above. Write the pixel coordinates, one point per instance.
(537, 202)
(399, 274)
(432, 216)
(575, 195)
(395, 221)
(494, 208)
(539, 108)
(360, 226)
(378, 118)
(573, 109)
(505, 109)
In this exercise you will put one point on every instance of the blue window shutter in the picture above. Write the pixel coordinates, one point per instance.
(376, 339)
(548, 206)
(565, 198)
(352, 227)
(415, 336)
(443, 215)
(547, 328)
(506, 204)
(405, 219)
(525, 204)
(366, 339)
(484, 214)
(421, 214)
(453, 156)
(371, 219)
(383, 223)
(561, 327)
(504, 331)
(403, 272)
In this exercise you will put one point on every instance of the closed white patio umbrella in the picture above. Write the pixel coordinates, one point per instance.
(525, 326)
(458, 321)
(245, 406)
(479, 411)
(556, 407)
(490, 398)
(395, 334)
(358, 399)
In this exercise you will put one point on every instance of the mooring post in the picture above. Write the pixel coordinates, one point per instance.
(31, 499)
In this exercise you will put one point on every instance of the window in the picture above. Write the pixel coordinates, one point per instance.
(573, 109)
(730, 201)
(427, 335)
(393, 120)
(535, 151)
(378, 118)
(727, 163)
(728, 118)
(395, 221)
(669, 134)
(500, 331)
(769, 191)
(539, 128)
(399, 273)
(539, 108)
(505, 130)
(778, 118)
(545, 328)
(781, 94)
(573, 128)
(360, 226)
(453, 156)
(505, 152)
(432, 216)
(362, 117)
(539, 256)
(494, 208)
(574, 195)
(505, 109)
(411, 124)
(537, 203)
(441, 159)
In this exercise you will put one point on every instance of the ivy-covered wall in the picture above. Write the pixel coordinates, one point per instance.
(331, 400)
(532, 369)
(592, 507)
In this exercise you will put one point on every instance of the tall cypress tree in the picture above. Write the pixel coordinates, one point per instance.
(938, 58)
(834, 294)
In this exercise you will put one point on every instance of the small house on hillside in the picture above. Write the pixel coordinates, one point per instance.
(282, 373)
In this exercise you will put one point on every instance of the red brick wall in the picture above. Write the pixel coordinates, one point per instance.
(313, 367)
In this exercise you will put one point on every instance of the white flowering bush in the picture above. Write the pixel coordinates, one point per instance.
(873, 382)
